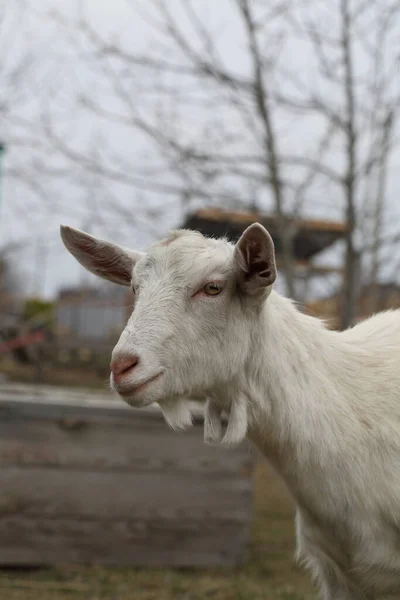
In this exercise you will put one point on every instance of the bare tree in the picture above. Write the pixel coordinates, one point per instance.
(357, 68)
(234, 144)
(222, 127)
(26, 70)
(9, 281)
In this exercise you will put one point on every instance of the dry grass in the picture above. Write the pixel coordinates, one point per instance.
(269, 572)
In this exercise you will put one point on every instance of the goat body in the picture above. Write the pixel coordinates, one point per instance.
(322, 406)
(331, 428)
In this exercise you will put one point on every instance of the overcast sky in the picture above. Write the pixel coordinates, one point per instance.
(61, 65)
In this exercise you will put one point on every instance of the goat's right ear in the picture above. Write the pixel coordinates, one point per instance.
(255, 260)
(101, 258)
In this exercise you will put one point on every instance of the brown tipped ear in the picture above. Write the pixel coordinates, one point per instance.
(101, 258)
(255, 260)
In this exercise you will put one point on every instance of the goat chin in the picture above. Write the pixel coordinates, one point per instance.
(177, 413)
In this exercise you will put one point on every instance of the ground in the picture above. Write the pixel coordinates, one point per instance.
(268, 573)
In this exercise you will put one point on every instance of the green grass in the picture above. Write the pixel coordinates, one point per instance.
(269, 571)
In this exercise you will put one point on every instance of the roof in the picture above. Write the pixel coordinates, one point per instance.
(312, 236)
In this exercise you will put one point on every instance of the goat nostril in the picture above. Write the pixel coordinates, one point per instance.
(130, 366)
(123, 366)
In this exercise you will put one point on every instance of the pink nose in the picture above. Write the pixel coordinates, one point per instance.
(123, 366)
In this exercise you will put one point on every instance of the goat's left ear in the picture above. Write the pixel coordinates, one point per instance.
(255, 260)
(102, 258)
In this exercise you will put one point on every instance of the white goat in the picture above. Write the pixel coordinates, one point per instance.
(323, 406)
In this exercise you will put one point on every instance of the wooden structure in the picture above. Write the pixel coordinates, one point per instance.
(371, 299)
(87, 479)
(311, 238)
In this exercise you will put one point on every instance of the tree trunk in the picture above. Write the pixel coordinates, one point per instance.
(375, 296)
(351, 258)
(272, 164)
(351, 277)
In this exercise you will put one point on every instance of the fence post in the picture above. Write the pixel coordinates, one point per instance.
(2, 151)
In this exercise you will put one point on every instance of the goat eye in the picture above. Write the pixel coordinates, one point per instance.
(134, 290)
(212, 289)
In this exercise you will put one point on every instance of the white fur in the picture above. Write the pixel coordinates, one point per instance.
(236, 429)
(323, 406)
(212, 423)
(177, 413)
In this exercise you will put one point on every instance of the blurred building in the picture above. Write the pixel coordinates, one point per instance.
(97, 313)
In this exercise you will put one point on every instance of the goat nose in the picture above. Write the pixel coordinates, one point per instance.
(123, 366)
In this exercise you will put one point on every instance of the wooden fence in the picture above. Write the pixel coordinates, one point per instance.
(86, 479)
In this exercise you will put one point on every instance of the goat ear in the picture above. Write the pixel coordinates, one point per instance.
(102, 258)
(255, 260)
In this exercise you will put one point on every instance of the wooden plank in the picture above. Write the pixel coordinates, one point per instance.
(50, 411)
(195, 542)
(107, 495)
(124, 446)
(93, 411)
(48, 402)
(51, 393)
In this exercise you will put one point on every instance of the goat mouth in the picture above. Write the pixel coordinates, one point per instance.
(139, 386)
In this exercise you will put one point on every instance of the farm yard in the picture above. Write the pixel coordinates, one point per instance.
(140, 352)
(269, 572)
